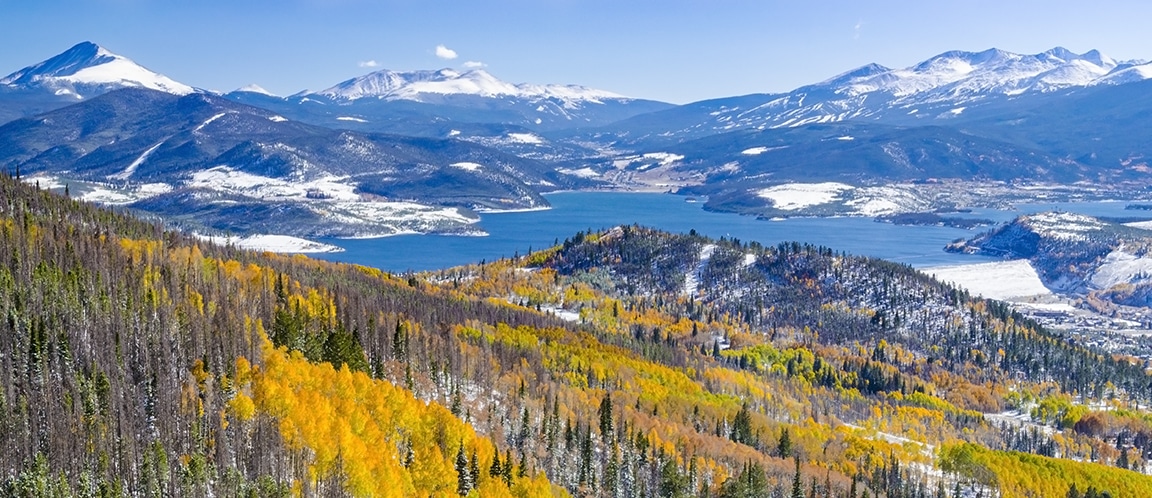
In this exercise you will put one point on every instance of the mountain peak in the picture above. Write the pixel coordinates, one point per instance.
(412, 85)
(88, 69)
(254, 88)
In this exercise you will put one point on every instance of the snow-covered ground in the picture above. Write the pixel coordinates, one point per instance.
(525, 138)
(226, 179)
(1066, 226)
(272, 243)
(101, 193)
(107, 194)
(646, 161)
(391, 218)
(793, 196)
(846, 199)
(691, 279)
(466, 166)
(997, 280)
(876, 201)
(1122, 267)
(582, 172)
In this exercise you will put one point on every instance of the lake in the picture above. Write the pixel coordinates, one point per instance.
(512, 233)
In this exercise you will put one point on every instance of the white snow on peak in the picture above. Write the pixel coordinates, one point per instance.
(956, 74)
(415, 85)
(88, 69)
(254, 88)
(1128, 74)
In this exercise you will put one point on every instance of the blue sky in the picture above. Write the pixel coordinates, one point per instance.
(673, 50)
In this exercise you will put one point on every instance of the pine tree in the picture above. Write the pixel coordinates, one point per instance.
(742, 427)
(474, 469)
(463, 478)
(495, 470)
(606, 418)
(506, 472)
(797, 486)
(784, 447)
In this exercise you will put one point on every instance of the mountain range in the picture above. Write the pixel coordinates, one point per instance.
(989, 116)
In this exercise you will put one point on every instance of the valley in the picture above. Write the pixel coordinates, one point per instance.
(897, 282)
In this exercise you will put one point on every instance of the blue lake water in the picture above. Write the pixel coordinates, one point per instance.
(512, 233)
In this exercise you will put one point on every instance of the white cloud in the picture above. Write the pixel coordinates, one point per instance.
(474, 64)
(445, 52)
(368, 64)
(856, 30)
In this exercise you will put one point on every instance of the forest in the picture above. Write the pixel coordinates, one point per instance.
(137, 361)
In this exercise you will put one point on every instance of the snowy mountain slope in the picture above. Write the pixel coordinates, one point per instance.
(1076, 253)
(945, 87)
(425, 102)
(413, 85)
(86, 70)
(205, 154)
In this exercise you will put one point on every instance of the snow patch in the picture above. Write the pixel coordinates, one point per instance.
(1121, 267)
(226, 179)
(692, 278)
(997, 280)
(271, 243)
(665, 158)
(351, 118)
(466, 166)
(1064, 226)
(277, 119)
(131, 169)
(582, 172)
(793, 196)
(525, 138)
(208, 122)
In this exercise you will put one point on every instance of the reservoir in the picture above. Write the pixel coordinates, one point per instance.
(516, 233)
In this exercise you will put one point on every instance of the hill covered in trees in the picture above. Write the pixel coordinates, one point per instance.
(139, 362)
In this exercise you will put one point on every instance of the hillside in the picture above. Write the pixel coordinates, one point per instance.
(1076, 254)
(139, 362)
(205, 160)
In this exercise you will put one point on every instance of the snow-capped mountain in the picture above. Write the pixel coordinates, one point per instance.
(87, 70)
(447, 102)
(209, 161)
(415, 85)
(943, 87)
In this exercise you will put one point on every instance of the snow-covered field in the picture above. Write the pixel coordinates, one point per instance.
(793, 196)
(998, 280)
(390, 218)
(582, 172)
(858, 201)
(272, 243)
(223, 178)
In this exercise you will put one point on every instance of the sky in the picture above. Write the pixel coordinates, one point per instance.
(676, 51)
